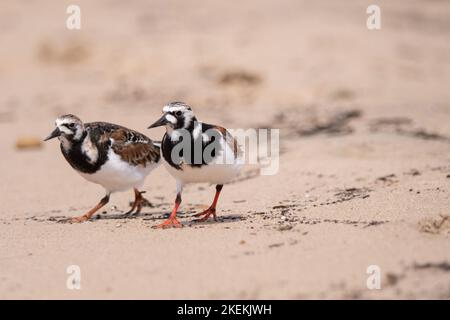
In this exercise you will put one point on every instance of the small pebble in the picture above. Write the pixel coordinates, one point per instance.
(284, 228)
(28, 143)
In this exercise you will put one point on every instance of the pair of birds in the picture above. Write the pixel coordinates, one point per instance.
(119, 158)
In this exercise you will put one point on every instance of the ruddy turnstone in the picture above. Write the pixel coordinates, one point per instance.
(107, 154)
(213, 155)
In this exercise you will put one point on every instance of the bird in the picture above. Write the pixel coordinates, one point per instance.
(221, 166)
(115, 157)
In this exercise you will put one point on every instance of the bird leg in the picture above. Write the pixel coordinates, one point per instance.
(172, 221)
(212, 209)
(88, 215)
(139, 202)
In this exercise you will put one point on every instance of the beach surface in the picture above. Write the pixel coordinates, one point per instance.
(364, 168)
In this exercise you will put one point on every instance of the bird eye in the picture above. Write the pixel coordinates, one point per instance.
(178, 113)
(71, 125)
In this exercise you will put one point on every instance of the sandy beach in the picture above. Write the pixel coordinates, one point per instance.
(364, 167)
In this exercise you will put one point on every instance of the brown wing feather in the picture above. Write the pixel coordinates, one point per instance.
(232, 142)
(139, 151)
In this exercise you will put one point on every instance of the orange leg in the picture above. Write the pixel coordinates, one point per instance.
(172, 221)
(212, 209)
(139, 201)
(88, 215)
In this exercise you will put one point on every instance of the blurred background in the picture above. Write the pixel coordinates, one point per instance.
(241, 62)
(364, 118)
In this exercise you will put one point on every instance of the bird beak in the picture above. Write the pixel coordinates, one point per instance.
(160, 122)
(54, 134)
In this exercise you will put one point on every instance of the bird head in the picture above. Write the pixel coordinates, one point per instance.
(68, 127)
(176, 115)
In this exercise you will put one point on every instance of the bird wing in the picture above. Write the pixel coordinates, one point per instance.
(132, 146)
(231, 141)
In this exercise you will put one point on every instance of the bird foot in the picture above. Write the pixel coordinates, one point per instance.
(206, 214)
(143, 201)
(131, 212)
(169, 223)
(138, 203)
(146, 203)
(79, 219)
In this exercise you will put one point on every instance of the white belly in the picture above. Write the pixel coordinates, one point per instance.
(117, 175)
(216, 172)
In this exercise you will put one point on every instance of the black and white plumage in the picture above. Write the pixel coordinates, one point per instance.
(107, 154)
(219, 165)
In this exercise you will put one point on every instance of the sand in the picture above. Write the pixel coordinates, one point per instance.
(365, 139)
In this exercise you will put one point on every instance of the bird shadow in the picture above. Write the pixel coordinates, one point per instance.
(153, 216)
